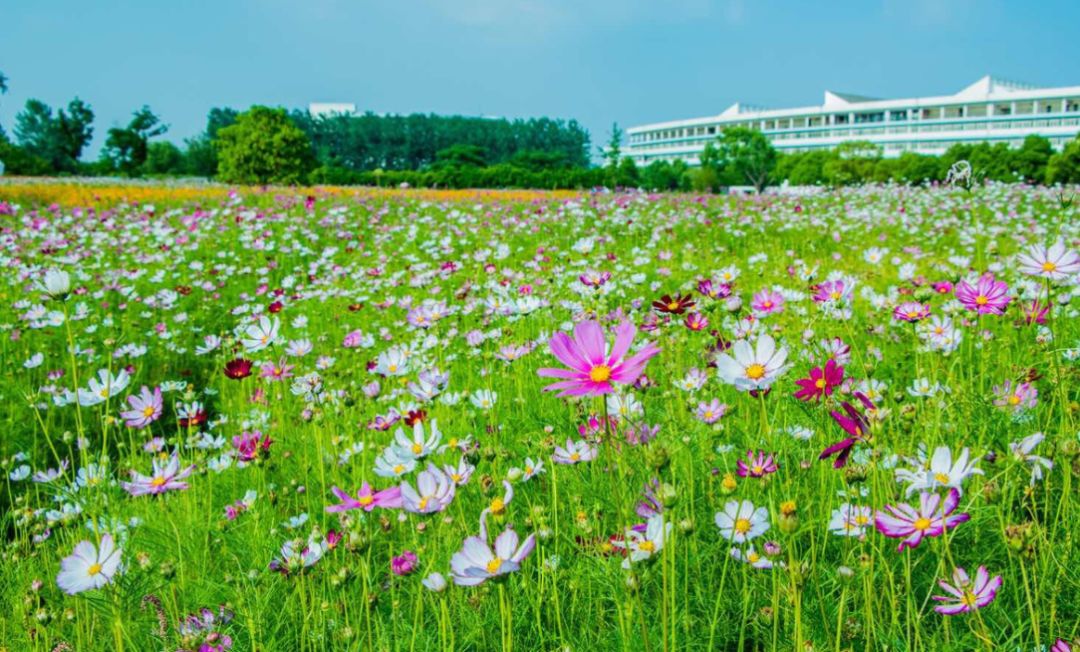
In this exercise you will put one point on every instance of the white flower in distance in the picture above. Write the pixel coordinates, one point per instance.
(1054, 262)
(260, 335)
(741, 521)
(484, 399)
(1023, 451)
(88, 567)
(942, 471)
(56, 283)
(756, 367)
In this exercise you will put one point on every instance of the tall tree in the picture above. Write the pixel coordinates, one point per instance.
(126, 148)
(264, 146)
(58, 140)
(746, 155)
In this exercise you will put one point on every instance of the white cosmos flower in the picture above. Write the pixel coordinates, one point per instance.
(756, 367)
(104, 387)
(941, 471)
(56, 283)
(643, 545)
(740, 521)
(88, 567)
(261, 335)
(1022, 450)
(1054, 262)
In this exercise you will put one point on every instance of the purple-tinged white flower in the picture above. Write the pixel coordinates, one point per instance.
(966, 595)
(434, 491)
(478, 562)
(145, 409)
(740, 521)
(930, 518)
(166, 476)
(89, 567)
(574, 452)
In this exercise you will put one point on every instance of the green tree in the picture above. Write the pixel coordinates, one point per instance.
(58, 140)
(263, 146)
(126, 148)
(1031, 159)
(852, 162)
(1064, 167)
(461, 156)
(163, 157)
(745, 155)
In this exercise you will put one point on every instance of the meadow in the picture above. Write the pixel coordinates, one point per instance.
(336, 419)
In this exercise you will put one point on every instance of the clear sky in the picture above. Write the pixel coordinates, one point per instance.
(600, 61)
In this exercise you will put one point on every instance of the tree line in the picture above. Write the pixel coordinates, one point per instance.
(271, 145)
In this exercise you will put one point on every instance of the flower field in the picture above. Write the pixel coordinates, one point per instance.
(329, 419)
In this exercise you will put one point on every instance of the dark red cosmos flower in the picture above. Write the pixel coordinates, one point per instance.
(275, 307)
(676, 305)
(855, 424)
(415, 416)
(238, 368)
(821, 381)
(196, 419)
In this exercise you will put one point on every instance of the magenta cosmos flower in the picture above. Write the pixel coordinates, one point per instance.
(930, 519)
(593, 368)
(855, 424)
(757, 466)
(966, 595)
(366, 499)
(821, 382)
(767, 302)
(987, 297)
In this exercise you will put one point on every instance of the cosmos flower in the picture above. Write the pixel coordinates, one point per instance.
(941, 471)
(238, 368)
(478, 562)
(740, 521)
(850, 520)
(710, 413)
(1054, 262)
(674, 305)
(695, 321)
(831, 292)
(749, 368)
(752, 557)
(250, 446)
(821, 382)
(987, 297)
(767, 302)
(854, 424)
(435, 583)
(418, 446)
(55, 283)
(404, 563)
(911, 311)
(366, 499)
(145, 409)
(756, 466)
(593, 367)
(641, 546)
(165, 477)
(261, 334)
(1015, 396)
(433, 493)
(930, 518)
(104, 387)
(89, 567)
(1023, 451)
(574, 452)
(714, 289)
(965, 595)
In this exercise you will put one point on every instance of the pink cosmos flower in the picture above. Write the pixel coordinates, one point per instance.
(250, 445)
(366, 499)
(855, 424)
(821, 381)
(1035, 312)
(930, 519)
(404, 563)
(710, 413)
(145, 408)
(911, 311)
(593, 367)
(696, 321)
(987, 297)
(276, 372)
(832, 292)
(1015, 396)
(767, 302)
(714, 289)
(756, 466)
(966, 595)
(165, 477)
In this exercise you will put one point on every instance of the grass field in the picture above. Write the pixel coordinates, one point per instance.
(292, 420)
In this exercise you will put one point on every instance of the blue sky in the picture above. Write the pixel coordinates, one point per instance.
(630, 61)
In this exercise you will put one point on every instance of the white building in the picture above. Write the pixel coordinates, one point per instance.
(989, 110)
(322, 109)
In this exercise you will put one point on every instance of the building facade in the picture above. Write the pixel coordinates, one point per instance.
(990, 110)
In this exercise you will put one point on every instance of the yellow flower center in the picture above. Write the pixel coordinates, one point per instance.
(1049, 266)
(399, 468)
(820, 383)
(758, 469)
(767, 304)
(755, 371)
(494, 565)
(366, 500)
(148, 411)
(456, 477)
(391, 368)
(575, 456)
(742, 525)
(498, 506)
(424, 502)
(861, 520)
(647, 546)
(981, 300)
(1014, 400)
(674, 305)
(968, 599)
(942, 478)
(753, 557)
(417, 449)
(600, 373)
(922, 523)
(94, 569)
(157, 481)
(708, 414)
(912, 314)
(834, 295)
